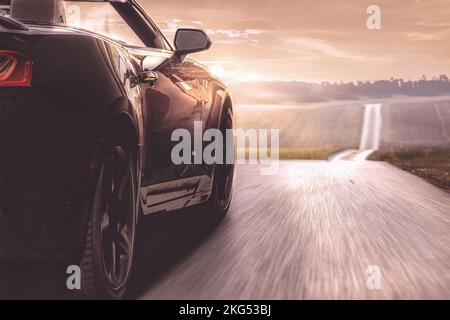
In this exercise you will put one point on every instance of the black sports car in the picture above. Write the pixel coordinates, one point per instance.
(87, 111)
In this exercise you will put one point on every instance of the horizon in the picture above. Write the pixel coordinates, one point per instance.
(355, 82)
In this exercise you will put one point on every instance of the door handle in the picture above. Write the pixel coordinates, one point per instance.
(149, 77)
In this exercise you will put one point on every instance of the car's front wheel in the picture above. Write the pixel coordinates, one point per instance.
(108, 256)
(223, 181)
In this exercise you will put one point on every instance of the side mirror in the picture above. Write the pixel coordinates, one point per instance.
(190, 41)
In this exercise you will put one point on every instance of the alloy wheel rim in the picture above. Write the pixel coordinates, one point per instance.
(117, 217)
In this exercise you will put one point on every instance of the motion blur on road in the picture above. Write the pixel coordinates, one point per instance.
(318, 229)
(313, 230)
(360, 205)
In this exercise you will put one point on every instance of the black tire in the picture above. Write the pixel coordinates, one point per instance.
(109, 248)
(219, 202)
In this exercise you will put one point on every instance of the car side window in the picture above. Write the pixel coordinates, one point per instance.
(159, 41)
(4, 10)
(101, 18)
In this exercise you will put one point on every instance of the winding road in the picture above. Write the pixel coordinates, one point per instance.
(315, 230)
(370, 136)
(318, 230)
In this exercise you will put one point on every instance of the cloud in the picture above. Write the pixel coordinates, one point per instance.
(302, 44)
(231, 42)
(230, 33)
(437, 24)
(420, 36)
(253, 31)
(171, 25)
(325, 40)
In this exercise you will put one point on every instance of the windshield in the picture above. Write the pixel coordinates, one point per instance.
(102, 18)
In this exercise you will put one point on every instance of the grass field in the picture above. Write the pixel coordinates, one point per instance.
(416, 137)
(432, 165)
(308, 131)
(296, 153)
(416, 124)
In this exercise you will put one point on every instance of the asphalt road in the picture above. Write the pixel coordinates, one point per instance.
(318, 230)
(312, 231)
(370, 136)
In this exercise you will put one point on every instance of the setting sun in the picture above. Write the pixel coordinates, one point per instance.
(218, 70)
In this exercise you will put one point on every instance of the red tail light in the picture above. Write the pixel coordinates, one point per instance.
(15, 69)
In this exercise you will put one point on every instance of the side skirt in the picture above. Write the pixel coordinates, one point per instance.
(175, 195)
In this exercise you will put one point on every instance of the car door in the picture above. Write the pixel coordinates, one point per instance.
(174, 98)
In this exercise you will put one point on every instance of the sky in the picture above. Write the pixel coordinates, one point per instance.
(314, 40)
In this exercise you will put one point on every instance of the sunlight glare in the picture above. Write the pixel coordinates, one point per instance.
(217, 70)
